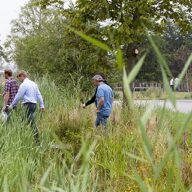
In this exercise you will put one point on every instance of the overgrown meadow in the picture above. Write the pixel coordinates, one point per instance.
(143, 149)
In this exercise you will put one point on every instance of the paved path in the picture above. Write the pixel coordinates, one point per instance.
(183, 106)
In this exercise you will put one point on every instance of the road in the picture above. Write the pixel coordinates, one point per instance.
(183, 106)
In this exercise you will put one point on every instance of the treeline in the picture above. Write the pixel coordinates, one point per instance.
(41, 42)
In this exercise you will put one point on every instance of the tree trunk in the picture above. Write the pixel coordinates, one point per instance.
(130, 56)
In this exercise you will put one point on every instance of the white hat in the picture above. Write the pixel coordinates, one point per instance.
(98, 78)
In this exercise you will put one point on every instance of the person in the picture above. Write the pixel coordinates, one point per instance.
(172, 83)
(10, 90)
(176, 83)
(93, 98)
(104, 99)
(29, 92)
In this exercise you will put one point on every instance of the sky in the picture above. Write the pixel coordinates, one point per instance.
(9, 10)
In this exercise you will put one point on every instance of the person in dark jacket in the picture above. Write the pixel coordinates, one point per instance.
(93, 98)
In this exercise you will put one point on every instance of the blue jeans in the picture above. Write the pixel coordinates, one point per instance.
(101, 120)
(30, 116)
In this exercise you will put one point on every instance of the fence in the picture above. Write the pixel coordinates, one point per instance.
(143, 86)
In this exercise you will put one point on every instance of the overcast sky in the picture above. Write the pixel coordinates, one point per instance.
(9, 10)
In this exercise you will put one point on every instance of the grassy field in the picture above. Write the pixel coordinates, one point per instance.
(142, 150)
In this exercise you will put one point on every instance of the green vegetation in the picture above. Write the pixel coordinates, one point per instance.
(75, 157)
(41, 40)
(142, 149)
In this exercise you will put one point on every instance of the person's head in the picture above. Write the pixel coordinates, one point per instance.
(22, 75)
(97, 79)
(8, 73)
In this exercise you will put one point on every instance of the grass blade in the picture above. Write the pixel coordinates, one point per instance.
(134, 72)
(159, 56)
(184, 71)
(168, 88)
(90, 39)
(119, 59)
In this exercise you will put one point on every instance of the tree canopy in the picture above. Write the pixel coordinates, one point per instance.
(124, 22)
(41, 41)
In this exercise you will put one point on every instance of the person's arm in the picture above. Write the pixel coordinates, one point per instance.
(6, 93)
(19, 95)
(100, 95)
(92, 100)
(100, 104)
(6, 98)
(40, 98)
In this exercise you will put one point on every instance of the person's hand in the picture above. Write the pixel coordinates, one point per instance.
(42, 109)
(98, 110)
(84, 106)
(9, 107)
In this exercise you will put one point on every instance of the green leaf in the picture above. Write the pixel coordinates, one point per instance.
(173, 144)
(168, 88)
(142, 125)
(127, 80)
(119, 59)
(184, 71)
(127, 90)
(164, 69)
(5, 185)
(139, 180)
(159, 56)
(45, 176)
(90, 39)
(134, 72)
(137, 158)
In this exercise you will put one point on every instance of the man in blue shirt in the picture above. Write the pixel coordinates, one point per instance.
(29, 92)
(104, 99)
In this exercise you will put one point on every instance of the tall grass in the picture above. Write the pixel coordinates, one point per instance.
(142, 149)
(73, 156)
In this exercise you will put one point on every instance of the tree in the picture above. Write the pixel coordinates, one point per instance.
(47, 47)
(3, 57)
(123, 22)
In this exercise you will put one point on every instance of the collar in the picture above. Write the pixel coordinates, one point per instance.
(26, 79)
(101, 83)
(10, 78)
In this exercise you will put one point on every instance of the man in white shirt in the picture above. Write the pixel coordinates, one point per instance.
(29, 92)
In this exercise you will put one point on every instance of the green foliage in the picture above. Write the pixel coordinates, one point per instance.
(43, 40)
(75, 157)
(50, 47)
(121, 22)
(122, 158)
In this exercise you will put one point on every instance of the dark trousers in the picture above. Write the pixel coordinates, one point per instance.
(30, 116)
(101, 120)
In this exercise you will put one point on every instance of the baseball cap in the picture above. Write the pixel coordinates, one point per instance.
(98, 78)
